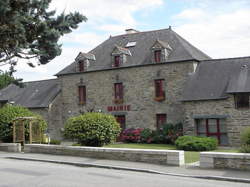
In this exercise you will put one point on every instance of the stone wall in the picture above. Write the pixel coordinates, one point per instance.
(166, 157)
(225, 160)
(53, 116)
(236, 119)
(10, 147)
(139, 92)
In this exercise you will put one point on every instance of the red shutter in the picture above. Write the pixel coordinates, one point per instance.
(161, 119)
(157, 55)
(117, 61)
(82, 94)
(159, 88)
(118, 91)
(81, 66)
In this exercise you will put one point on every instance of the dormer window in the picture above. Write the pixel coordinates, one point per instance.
(119, 56)
(117, 61)
(83, 61)
(160, 51)
(157, 56)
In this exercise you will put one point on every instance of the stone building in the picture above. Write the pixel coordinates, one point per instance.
(146, 79)
(216, 99)
(138, 77)
(41, 97)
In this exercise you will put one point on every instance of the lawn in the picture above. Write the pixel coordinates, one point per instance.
(190, 156)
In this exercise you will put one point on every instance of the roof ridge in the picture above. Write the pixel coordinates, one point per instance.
(41, 80)
(140, 32)
(230, 58)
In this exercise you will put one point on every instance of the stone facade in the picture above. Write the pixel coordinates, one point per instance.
(53, 117)
(236, 119)
(139, 92)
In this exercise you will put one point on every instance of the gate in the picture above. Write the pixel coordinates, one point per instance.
(31, 126)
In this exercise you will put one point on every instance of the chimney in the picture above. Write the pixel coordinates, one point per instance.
(131, 31)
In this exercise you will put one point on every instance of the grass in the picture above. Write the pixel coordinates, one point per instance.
(190, 156)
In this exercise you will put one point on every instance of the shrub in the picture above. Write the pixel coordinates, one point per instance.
(245, 148)
(146, 135)
(131, 135)
(8, 113)
(168, 133)
(245, 141)
(55, 142)
(245, 136)
(92, 129)
(194, 143)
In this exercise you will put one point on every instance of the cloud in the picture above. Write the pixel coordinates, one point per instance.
(219, 34)
(99, 11)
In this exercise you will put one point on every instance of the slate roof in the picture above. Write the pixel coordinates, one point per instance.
(141, 52)
(36, 94)
(215, 79)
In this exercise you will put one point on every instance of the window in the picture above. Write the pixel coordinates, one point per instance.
(118, 93)
(161, 119)
(82, 94)
(241, 100)
(117, 61)
(213, 128)
(157, 56)
(121, 120)
(159, 90)
(81, 66)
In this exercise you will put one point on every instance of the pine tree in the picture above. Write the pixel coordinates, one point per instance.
(29, 31)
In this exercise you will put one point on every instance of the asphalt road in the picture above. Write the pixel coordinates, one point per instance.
(19, 173)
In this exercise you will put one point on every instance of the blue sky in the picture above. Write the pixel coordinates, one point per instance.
(220, 28)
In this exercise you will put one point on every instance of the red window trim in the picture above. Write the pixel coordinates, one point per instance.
(157, 56)
(81, 66)
(121, 119)
(159, 88)
(117, 61)
(82, 94)
(118, 91)
(218, 134)
(159, 119)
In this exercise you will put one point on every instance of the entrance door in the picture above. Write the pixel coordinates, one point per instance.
(121, 119)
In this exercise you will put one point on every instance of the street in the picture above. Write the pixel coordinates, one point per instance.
(26, 173)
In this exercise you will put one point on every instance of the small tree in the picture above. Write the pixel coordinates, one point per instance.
(92, 129)
(245, 140)
(7, 114)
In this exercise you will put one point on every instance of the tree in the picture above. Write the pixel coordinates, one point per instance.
(29, 31)
(7, 78)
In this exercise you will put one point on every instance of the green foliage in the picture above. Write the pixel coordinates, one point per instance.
(55, 142)
(29, 31)
(8, 113)
(245, 140)
(92, 129)
(245, 136)
(146, 135)
(245, 148)
(195, 143)
(6, 78)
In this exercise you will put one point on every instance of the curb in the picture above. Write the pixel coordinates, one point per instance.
(80, 164)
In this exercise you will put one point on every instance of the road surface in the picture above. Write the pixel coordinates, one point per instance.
(18, 173)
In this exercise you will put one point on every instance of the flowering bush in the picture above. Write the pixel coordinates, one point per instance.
(131, 135)
(167, 134)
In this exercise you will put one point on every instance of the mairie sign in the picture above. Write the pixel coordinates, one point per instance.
(119, 108)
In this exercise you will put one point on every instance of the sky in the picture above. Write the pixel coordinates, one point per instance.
(220, 28)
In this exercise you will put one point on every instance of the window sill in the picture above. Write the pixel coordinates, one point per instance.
(160, 99)
(118, 101)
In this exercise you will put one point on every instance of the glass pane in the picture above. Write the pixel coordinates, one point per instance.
(223, 127)
(224, 139)
(212, 125)
(214, 137)
(201, 124)
(203, 135)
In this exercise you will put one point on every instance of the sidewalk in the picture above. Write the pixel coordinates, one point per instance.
(188, 171)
